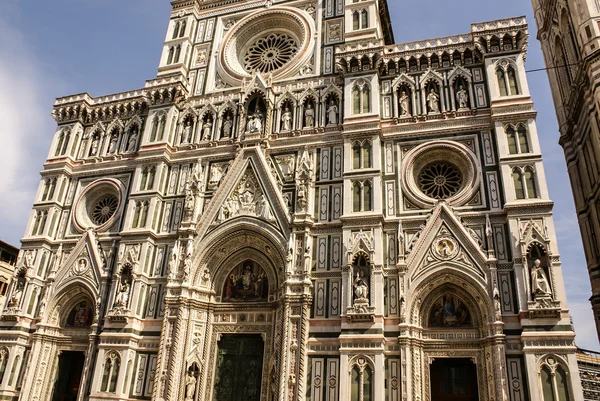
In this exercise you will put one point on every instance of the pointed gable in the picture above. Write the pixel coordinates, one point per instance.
(445, 241)
(248, 189)
(84, 265)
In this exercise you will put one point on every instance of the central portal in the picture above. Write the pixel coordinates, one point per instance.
(453, 380)
(239, 368)
(68, 381)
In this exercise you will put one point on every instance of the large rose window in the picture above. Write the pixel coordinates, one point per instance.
(278, 41)
(440, 180)
(104, 209)
(99, 204)
(270, 53)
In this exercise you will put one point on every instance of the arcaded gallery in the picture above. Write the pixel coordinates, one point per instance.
(296, 208)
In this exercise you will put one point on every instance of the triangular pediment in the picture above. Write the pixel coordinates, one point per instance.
(248, 189)
(445, 241)
(84, 265)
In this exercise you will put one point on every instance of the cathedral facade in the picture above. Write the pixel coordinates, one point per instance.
(296, 208)
(570, 37)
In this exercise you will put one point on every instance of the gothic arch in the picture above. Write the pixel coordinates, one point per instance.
(429, 288)
(233, 236)
(65, 300)
(134, 121)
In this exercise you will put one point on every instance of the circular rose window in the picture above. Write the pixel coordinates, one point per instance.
(440, 180)
(270, 53)
(99, 204)
(104, 209)
(441, 170)
(277, 41)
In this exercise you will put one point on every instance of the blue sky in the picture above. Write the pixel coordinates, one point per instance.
(55, 48)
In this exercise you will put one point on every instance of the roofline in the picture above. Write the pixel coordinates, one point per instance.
(7, 245)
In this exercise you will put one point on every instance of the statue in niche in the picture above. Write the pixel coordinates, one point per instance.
(190, 386)
(404, 105)
(227, 126)
(173, 267)
(361, 289)
(112, 147)
(433, 102)
(186, 136)
(122, 298)
(332, 113)
(463, 98)
(133, 136)
(15, 299)
(207, 129)
(246, 282)
(449, 311)
(286, 120)
(94, 148)
(255, 122)
(309, 116)
(539, 282)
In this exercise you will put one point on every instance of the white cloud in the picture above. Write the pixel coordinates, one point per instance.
(25, 129)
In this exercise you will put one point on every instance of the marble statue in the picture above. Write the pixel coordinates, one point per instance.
(286, 120)
(539, 281)
(332, 113)
(227, 127)
(186, 136)
(206, 130)
(404, 105)
(463, 98)
(361, 290)
(309, 116)
(432, 102)
(190, 386)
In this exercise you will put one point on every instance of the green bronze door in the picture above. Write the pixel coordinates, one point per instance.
(239, 368)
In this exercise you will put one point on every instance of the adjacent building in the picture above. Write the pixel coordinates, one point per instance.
(8, 260)
(570, 36)
(296, 208)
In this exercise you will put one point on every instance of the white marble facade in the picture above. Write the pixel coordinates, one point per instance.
(296, 208)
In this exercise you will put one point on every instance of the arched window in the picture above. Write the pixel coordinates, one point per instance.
(356, 20)
(502, 82)
(151, 175)
(366, 99)
(144, 214)
(171, 54)
(176, 30)
(555, 383)
(367, 197)
(361, 382)
(366, 155)
(511, 137)
(361, 98)
(110, 375)
(161, 127)
(530, 183)
(518, 181)
(356, 197)
(356, 155)
(356, 109)
(15, 368)
(154, 129)
(523, 141)
(177, 54)
(144, 179)
(512, 81)
(61, 138)
(182, 28)
(136, 215)
(364, 20)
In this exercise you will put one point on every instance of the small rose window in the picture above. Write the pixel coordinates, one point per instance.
(270, 53)
(103, 209)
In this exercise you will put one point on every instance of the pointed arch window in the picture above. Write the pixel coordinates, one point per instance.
(182, 28)
(3, 362)
(364, 19)
(356, 20)
(170, 56)
(512, 81)
(154, 130)
(518, 182)
(361, 382)
(525, 183)
(361, 98)
(362, 196)
(362, 155)
(176, 30)
(356, 155)
(555, 383)
(518, 141)
(501, 82)
(177, 54)
(112, 365)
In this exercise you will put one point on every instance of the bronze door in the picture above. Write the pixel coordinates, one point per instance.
(453, 380)
(239, 368)
(68, 379)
